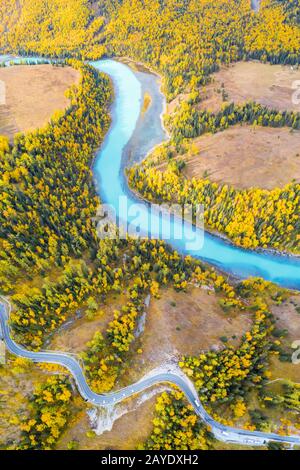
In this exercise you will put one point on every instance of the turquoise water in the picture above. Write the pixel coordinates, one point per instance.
(111, 184)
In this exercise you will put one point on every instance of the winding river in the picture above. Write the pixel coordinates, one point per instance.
(154, 378)
(111, 185)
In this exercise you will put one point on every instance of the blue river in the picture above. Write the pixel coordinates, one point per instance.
(111, 183)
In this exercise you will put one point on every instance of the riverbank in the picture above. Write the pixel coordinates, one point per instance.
(149, 131)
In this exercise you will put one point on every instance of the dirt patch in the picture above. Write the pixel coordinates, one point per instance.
(33, 94)
(246, 156)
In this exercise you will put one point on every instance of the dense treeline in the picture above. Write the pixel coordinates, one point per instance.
(47, 194)
(101, 364)
(251, 218)
(187, 40)
(184, 39)
(40, 310)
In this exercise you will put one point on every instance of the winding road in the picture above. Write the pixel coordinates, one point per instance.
(221, 432)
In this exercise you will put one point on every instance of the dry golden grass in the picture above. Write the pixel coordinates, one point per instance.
(288, 318)
(33, 94)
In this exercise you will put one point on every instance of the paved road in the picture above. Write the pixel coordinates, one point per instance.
(221, 432)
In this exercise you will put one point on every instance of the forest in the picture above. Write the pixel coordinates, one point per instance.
(51, 262)
(57, 28)
(50, 412)
(189, 122)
